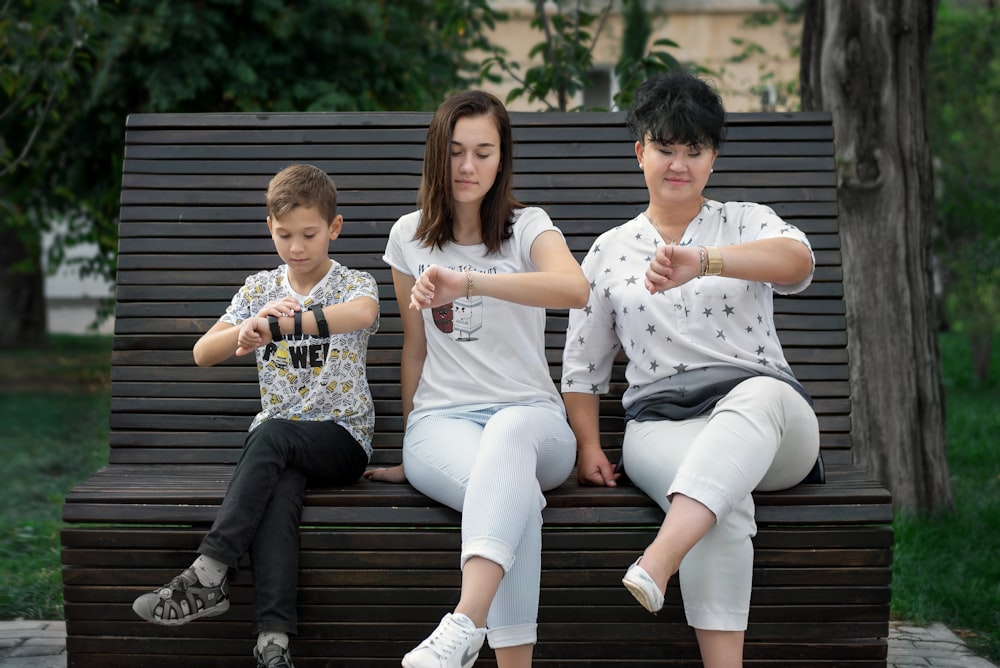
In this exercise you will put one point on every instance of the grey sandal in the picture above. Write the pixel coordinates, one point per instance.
(182, 600)
(273, 656)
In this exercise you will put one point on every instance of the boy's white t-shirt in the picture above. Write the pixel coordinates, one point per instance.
(310, 377)
(484, 351)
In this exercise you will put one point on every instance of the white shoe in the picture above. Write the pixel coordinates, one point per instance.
(645, 590)
(455, 643)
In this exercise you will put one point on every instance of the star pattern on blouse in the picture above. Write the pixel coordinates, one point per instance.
(618, 279)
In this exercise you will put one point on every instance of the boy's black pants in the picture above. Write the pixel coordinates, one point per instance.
(263, 505)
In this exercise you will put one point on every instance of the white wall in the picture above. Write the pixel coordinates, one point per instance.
(72, 301)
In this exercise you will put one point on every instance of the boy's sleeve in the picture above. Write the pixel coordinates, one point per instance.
(362, 284)
(240, 307)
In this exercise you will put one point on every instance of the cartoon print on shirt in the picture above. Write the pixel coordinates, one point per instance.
(443, 318)
(468, 318)
(464, 316)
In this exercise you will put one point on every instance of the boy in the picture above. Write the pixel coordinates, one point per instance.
(308, 322)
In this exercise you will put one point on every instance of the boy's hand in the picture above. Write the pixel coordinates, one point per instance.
(392, 474)
(281, 308)
(254, 333)
(437, 286)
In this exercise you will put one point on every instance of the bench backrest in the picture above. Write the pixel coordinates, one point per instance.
(192, 228)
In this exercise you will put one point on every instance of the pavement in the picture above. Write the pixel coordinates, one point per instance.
(40, 644)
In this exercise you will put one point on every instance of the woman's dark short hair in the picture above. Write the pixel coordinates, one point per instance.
(677, 108)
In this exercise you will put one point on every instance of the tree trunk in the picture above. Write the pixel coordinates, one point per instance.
(866, 63)
(22, 294)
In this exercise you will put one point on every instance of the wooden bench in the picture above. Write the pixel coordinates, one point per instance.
(379, 562)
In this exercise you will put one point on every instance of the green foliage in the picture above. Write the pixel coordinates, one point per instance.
(945, 568)
(55, 412)
(788, 13)
(963, 122)
(44, 63)
(570, 32)
(77, 74)
(636, 63)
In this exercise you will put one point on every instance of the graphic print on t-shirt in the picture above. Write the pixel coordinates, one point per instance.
(462, 317)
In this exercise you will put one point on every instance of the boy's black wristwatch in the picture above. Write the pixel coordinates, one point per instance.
(324, 329)
(272, 322)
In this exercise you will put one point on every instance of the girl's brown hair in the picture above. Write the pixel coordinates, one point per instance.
(435, 197)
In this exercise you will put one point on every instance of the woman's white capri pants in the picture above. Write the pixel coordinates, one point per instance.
(763, 435)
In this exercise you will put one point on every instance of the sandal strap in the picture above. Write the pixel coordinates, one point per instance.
(197, 597)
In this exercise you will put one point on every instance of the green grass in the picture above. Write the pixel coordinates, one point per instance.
(947, 568)
(54, 404)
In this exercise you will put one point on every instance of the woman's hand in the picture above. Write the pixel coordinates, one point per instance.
(437, 286)
(672, 266)
(594, 468)
(394, 474)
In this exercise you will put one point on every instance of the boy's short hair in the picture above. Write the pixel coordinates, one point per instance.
(302, 185)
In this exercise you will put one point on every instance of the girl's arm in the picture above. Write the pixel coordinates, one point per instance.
(558, 283)
(410, 367)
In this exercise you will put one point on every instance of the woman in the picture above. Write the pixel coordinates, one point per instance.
(712, 408)
(484, 421)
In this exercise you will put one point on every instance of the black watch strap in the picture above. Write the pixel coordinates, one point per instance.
(324, 329)
(298, 322)
(272, 322)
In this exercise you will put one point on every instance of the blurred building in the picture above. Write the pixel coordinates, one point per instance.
(749, 44)
(73, 302)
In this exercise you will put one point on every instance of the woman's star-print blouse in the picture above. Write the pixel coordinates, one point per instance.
(711, 323)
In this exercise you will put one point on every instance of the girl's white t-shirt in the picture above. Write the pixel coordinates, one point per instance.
(481, 352)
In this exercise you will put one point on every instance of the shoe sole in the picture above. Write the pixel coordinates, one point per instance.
(215, 610)
(640, 595)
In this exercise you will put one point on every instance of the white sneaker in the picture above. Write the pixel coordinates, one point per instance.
(455, 643)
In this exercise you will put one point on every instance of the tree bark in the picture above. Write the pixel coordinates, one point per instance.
(866, 63)
(22, 293)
